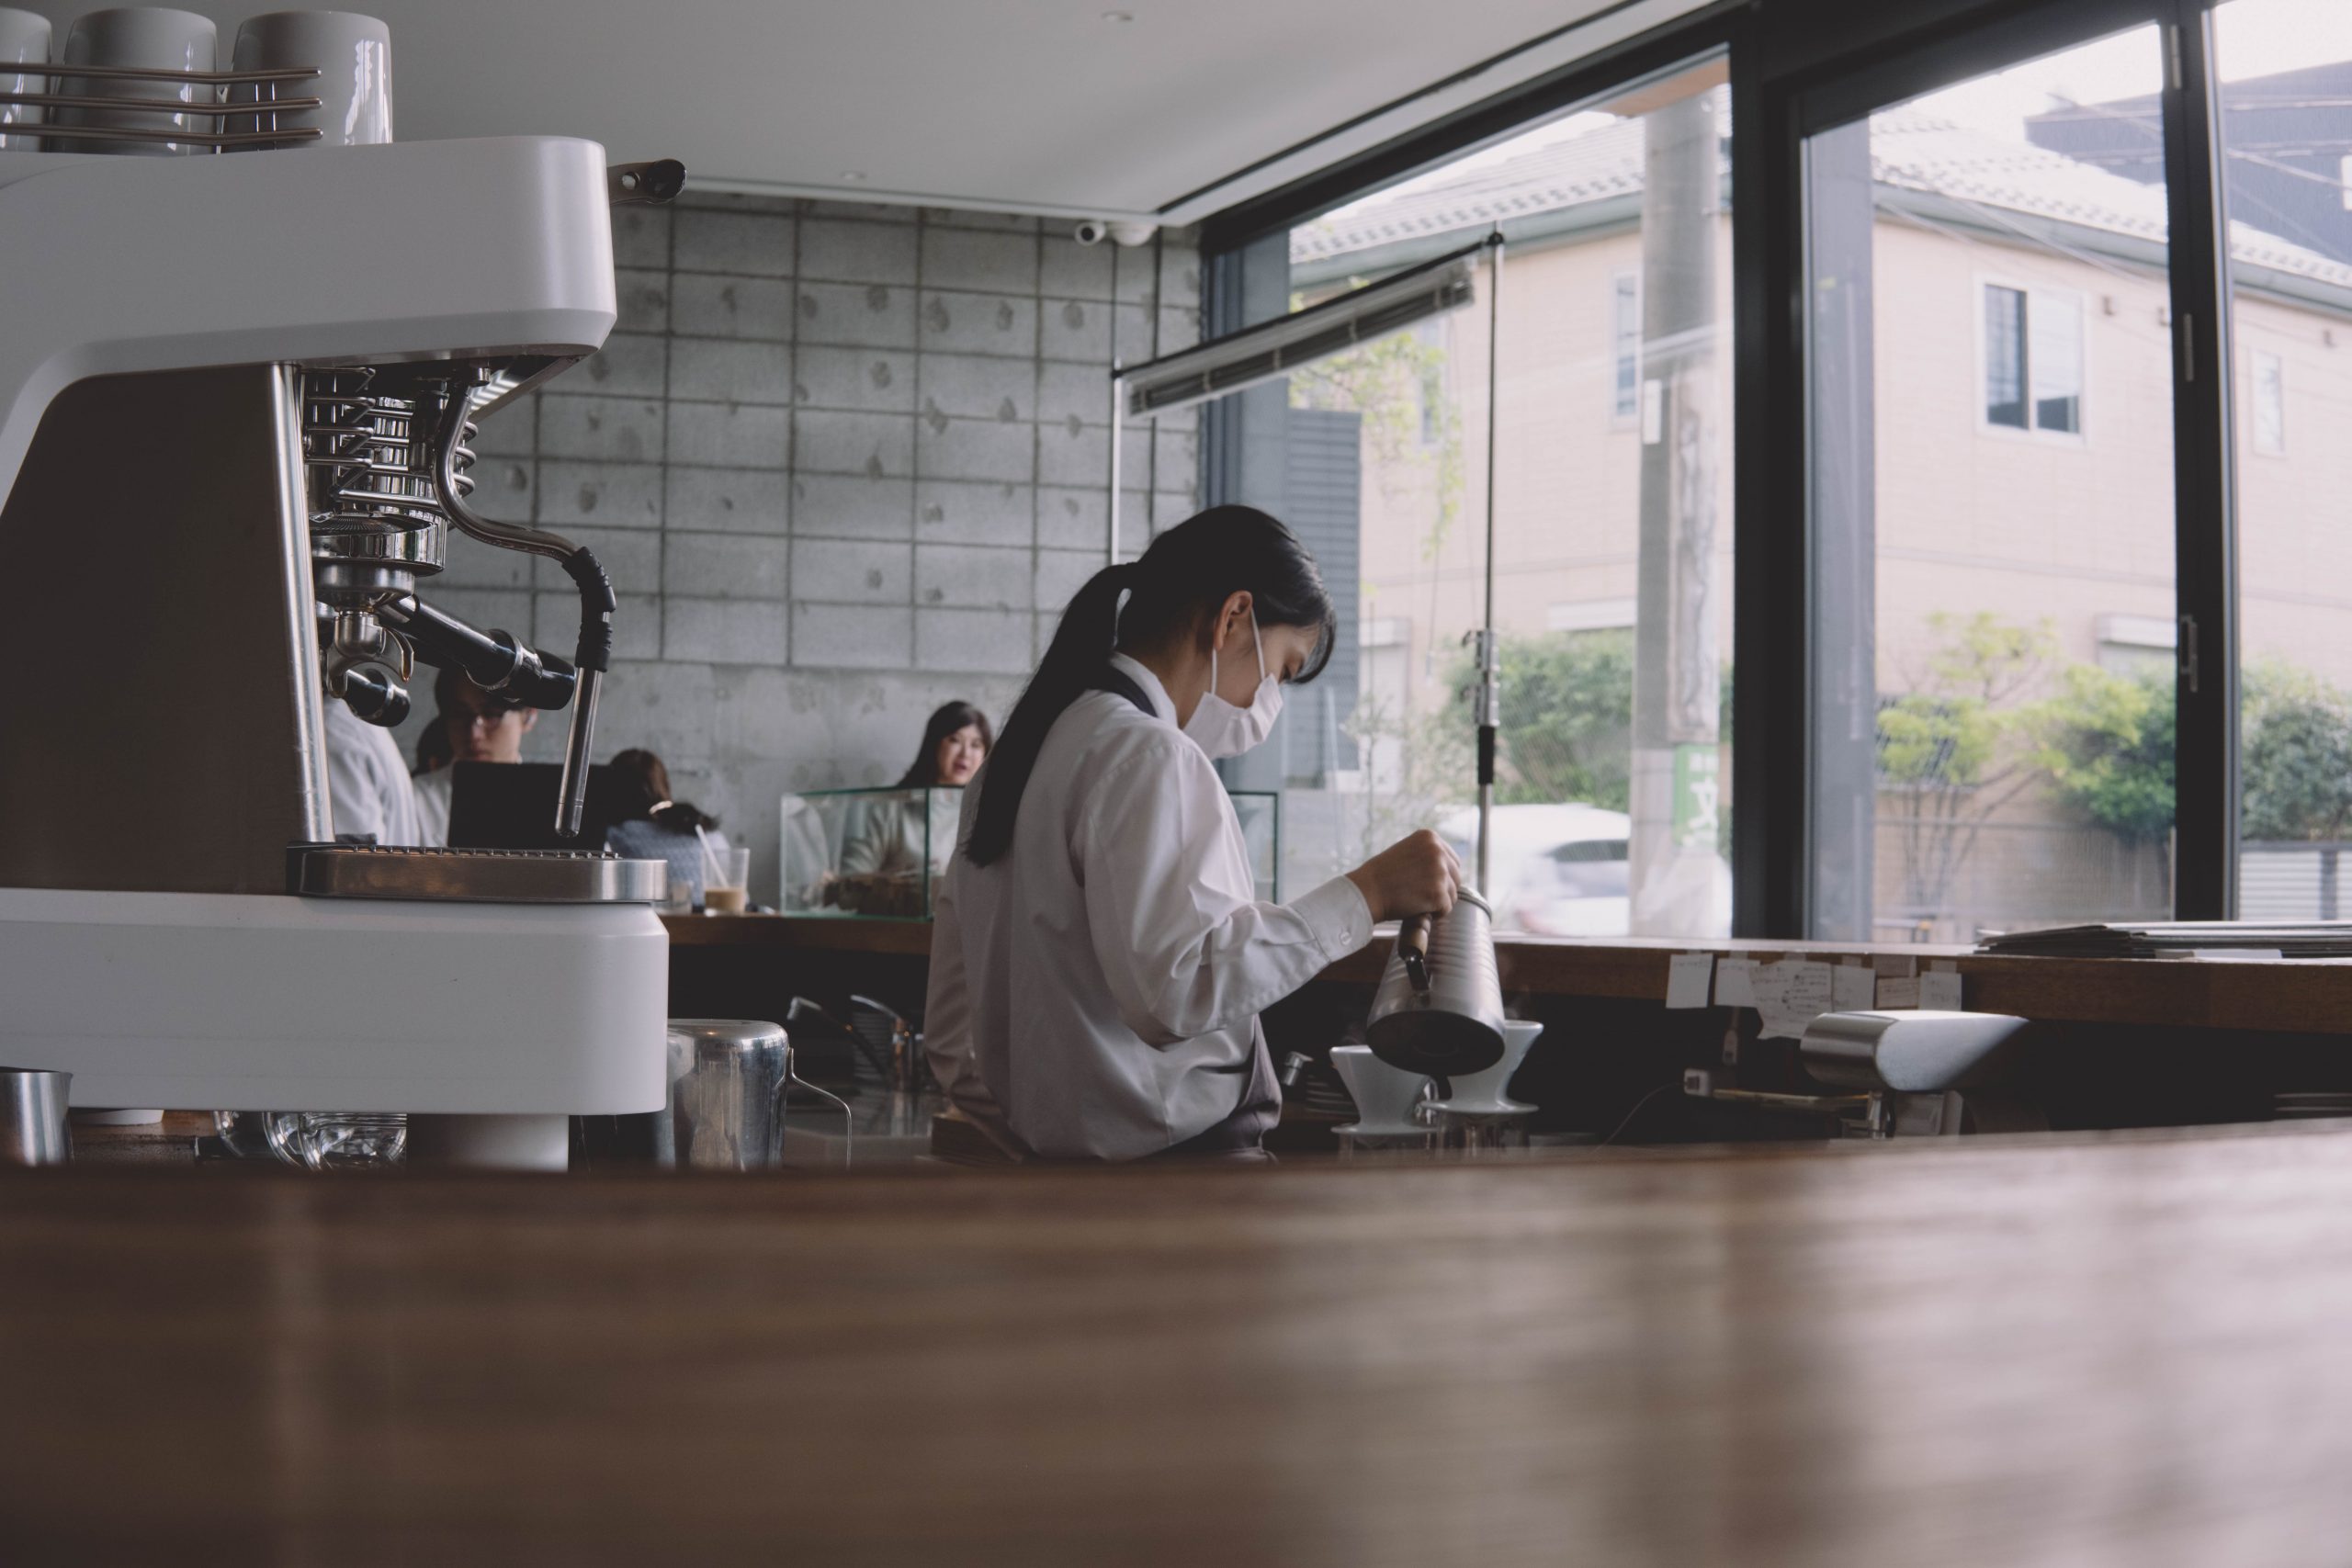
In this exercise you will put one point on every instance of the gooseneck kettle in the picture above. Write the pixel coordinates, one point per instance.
(1438, 1010)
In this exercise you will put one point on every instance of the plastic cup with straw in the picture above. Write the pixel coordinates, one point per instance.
(720, 894)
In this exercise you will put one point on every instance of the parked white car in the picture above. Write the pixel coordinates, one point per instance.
(1558, 870)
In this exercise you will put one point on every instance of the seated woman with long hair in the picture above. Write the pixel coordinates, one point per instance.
(888, 840)
(654, 826)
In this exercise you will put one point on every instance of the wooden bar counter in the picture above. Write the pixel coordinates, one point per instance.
(2122, 1349)
(2303, 997)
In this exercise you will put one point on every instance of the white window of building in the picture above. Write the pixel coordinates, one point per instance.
(1625, 346)
(2344, 178)
(2033, 360)
(1431, 336)
(2131, 644)
(2269, 404)
(1590, 616)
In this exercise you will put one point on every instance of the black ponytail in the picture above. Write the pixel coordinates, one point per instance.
(1182, 580)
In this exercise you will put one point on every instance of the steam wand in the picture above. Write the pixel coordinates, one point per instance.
(592, 656)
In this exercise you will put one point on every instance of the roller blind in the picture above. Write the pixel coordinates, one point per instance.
(1273, 348)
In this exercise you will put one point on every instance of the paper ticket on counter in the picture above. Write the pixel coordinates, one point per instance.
(1733, 986)
(1689, 976)
(1939, 990)
(1857, 988)
(1791, 994)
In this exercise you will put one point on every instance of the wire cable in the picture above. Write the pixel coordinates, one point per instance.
(1638, 1106)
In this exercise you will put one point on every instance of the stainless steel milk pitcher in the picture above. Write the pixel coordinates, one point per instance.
(1440, 1007)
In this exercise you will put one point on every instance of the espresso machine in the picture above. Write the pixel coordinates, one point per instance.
(237, 394)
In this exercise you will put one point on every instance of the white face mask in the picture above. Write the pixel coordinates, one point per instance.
(1223, 730)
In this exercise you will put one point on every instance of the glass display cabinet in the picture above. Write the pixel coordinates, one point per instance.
(867, 852)
(877, 853)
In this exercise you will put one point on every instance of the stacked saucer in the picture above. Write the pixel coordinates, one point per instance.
(2318, 1106)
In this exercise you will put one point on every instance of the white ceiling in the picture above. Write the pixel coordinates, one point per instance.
(1034, 106)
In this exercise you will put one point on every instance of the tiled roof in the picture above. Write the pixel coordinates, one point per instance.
(1572, 171)
(1911, 148)
(1914, 150)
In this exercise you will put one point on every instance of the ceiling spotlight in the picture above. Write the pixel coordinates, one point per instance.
(1118, 15)
(853, 175)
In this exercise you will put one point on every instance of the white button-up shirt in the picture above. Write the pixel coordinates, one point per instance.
(367, 787)
(1094, 994)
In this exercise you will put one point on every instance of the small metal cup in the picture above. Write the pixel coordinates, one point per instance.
(32, 1116)
(726, 1078)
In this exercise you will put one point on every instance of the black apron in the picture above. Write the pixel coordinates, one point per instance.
(1259, 1105)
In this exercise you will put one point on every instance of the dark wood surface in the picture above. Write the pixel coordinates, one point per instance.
(799, 933)
(2297, 997)
(2127, 1350)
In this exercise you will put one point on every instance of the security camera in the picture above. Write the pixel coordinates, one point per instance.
(1090, 232)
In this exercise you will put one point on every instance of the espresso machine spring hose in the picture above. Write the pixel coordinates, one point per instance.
(593, 654)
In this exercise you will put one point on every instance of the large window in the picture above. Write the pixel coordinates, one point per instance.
(1992, 745)
(1599, 384)
(2043, 597)
(2284, 70)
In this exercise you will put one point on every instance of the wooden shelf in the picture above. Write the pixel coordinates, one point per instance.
(2302, 997)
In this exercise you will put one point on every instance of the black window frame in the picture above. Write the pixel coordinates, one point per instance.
(1798, 67)
(1844, 92)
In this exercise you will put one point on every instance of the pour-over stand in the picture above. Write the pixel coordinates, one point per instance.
(1391, 1106)
(1478, 1118)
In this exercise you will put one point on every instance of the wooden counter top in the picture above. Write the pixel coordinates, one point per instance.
(2303, 997)
(2121, 1351)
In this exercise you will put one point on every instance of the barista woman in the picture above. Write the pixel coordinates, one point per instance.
(889, 840)
(1099, 958)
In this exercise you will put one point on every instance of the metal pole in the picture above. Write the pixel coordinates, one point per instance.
(1118, 420)
(1489, 677)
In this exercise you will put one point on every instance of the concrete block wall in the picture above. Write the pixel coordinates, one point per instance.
(843, 463)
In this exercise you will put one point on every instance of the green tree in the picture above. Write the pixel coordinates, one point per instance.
(1956, 746)
(1419, 766)
(2295, 767)
(1411, 428)
(1567, 726)
(2107, 742)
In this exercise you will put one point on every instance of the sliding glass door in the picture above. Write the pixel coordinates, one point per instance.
(2283, 71)
(1991, 495)
(1585, 411)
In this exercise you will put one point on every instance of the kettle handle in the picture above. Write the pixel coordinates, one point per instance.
(1413, 950)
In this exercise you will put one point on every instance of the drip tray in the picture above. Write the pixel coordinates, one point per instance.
(482, 876)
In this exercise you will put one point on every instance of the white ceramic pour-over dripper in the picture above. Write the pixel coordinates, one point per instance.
(1385, 1096)
(1481, 1094)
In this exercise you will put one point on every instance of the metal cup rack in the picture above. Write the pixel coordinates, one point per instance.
(208, 95)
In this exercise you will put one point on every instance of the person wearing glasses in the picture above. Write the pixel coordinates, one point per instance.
(476, 726)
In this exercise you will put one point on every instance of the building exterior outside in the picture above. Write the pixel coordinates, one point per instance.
(2020, 409)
